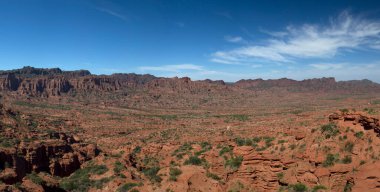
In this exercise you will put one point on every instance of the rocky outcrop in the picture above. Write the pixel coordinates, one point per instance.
(367, 122)
(59, 157)
(56, 153)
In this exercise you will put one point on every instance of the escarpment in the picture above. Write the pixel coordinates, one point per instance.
(46, 83)
(22, 153)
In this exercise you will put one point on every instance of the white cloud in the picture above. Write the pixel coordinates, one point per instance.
(113, 13)
(172, 68)
(308, 41)
(196, 72)
(234, 39)
(327, 66)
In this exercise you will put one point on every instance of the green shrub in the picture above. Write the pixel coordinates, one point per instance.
(298, 187)
(183, 149)
(359, 134)
(118, 167)
(213, 176)
(225, 149)
(36, 179)
(347, 159)
(151, 173)
(349, 147)
(330, 160)
(174, 173)
(268, 141)
(136, 150)
(347, 187)
(318, 187)
(234, 163)
(329, 130)
(206, 146)
(80, 179)
(128, 186)
(193, 160)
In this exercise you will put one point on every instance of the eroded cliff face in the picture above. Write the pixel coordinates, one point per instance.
(35, 82)
(22, 152)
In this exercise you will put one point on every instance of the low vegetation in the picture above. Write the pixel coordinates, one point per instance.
(80, 180)
(330, 130)
(234, 162)
(128, 186)
(330, 160)
(174, 173)
(151, 173)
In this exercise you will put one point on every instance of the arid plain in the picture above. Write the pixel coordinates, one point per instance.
(73, 131)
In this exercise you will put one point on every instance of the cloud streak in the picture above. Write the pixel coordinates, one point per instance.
(113, 13)
(234, 39)
(344, 33)
(173, 68)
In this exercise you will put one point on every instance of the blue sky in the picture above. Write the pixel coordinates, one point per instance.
(215, 39)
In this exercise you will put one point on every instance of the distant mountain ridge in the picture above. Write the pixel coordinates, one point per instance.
(39, 82)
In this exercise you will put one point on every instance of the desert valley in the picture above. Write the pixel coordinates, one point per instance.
(75, 131)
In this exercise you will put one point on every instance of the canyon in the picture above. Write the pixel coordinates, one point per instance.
(75, 131)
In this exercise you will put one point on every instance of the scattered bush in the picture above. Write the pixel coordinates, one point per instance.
(359, 134)
(128, 186)
(370, 111)
(234, 163)
(80, 179)
(174, 173)
(151, 173)
(298, 187)
(347, 187)
(136, 150)
(268, 141)
(329, 130)
(118, 167)
(206, 146)
(183, 149)
(347, 159)
(330, 160)
(225, 149)
(318, 187)
(213, 176)
(349, 147)
(193, 160)
(36, 179)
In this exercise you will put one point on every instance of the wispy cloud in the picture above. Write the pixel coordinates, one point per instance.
(113, 13)
(187, 70)
(172, 68)
(327, 66)
(234, 39)
(344, 33)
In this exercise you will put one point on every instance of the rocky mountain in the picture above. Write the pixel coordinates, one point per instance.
(36, 82)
